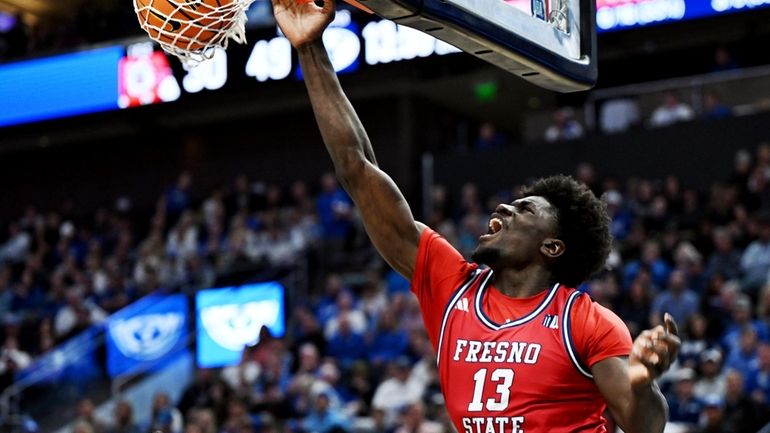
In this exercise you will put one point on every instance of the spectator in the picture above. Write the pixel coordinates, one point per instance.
(12, 361)
(359, 390)
(347, 346)
(124, 419)
(238, 419)
(564, 126)
(204, 392)
(307, 329)
(326, 305)
(374, 295)
(713, 415)
(328, 381)
(348, 311)
(165, 417)
(325, 419)
(741, 414)
(241, 378)
(618, 115)
(712, 380)
(743, 358)
(17, 246)
(755, 262)
(651, 259)
(672, 111)
(182, 241)
(334, 210)
(177, 197)
(678, 300)
(413, 421)
(694, 341)
(82, 427)
(725, 260)
(87, 418)
(758, 379)
(637, 303)
(279, 246)
(389, 342)
(723, 60)
(713, 108)
(741, 318)
(683, 406)
(622, 218)
(307, 368)
(245, 198)
(77, 315)
(398, 391)
(488, 137)
(203, 420)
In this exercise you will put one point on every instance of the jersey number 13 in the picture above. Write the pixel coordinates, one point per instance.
(503, 377)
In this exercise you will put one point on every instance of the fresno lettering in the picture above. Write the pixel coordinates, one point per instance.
(496, 351)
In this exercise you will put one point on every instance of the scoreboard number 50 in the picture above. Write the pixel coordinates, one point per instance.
(503, 377)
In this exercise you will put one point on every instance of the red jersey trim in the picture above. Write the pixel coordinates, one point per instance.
(489, 323)
(448, 309)
(569, 344)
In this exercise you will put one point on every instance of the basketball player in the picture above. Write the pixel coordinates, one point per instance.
(518, 349)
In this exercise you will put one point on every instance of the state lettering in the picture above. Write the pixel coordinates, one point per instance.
(497, 424)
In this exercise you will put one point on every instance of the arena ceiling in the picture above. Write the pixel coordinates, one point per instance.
(37, 9)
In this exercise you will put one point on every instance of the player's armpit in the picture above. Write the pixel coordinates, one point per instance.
(636, 410)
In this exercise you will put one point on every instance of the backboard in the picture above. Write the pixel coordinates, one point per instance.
(551, 43)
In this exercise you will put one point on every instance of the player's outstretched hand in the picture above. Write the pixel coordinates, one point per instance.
(653, 352)
(302, 21)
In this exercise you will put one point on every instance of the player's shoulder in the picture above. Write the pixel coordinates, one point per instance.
(587, 309)
(437, 248)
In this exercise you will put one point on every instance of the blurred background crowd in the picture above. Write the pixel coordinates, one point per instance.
(692, 239)
(356, 357)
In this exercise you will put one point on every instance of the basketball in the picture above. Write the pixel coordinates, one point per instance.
(186, 25)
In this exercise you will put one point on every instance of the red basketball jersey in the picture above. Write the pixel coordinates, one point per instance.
(527, 375)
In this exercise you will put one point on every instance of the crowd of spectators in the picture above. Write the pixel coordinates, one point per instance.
(356, 357)
(63, 271)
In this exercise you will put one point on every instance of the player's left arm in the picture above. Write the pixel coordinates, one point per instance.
(628, 383)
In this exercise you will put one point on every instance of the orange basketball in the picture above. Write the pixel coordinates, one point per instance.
(188, 25)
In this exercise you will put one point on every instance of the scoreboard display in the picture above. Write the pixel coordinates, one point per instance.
(551, 43)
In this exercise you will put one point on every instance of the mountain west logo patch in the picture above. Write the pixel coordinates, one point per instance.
(551, 321)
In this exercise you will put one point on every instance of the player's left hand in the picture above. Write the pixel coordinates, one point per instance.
(653, 352)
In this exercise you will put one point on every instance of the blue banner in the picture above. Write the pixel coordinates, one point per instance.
(58, 86)
(70, 362)
(147, 333)
(230, 319)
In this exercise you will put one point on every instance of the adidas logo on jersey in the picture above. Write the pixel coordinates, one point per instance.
(551, 321)
(462, 305)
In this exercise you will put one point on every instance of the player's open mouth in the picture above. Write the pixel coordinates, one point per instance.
(495, 225)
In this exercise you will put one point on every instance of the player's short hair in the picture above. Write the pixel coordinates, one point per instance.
(583, 226)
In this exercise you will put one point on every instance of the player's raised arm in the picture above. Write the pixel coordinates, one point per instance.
(386, 214)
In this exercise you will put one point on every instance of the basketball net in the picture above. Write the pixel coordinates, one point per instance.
(196, 36)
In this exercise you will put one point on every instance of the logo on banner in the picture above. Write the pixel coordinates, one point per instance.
(234, 326)
(149, 336)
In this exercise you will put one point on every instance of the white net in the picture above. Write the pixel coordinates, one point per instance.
(192, 30)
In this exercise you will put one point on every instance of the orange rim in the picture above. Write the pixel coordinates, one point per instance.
(358, 5)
